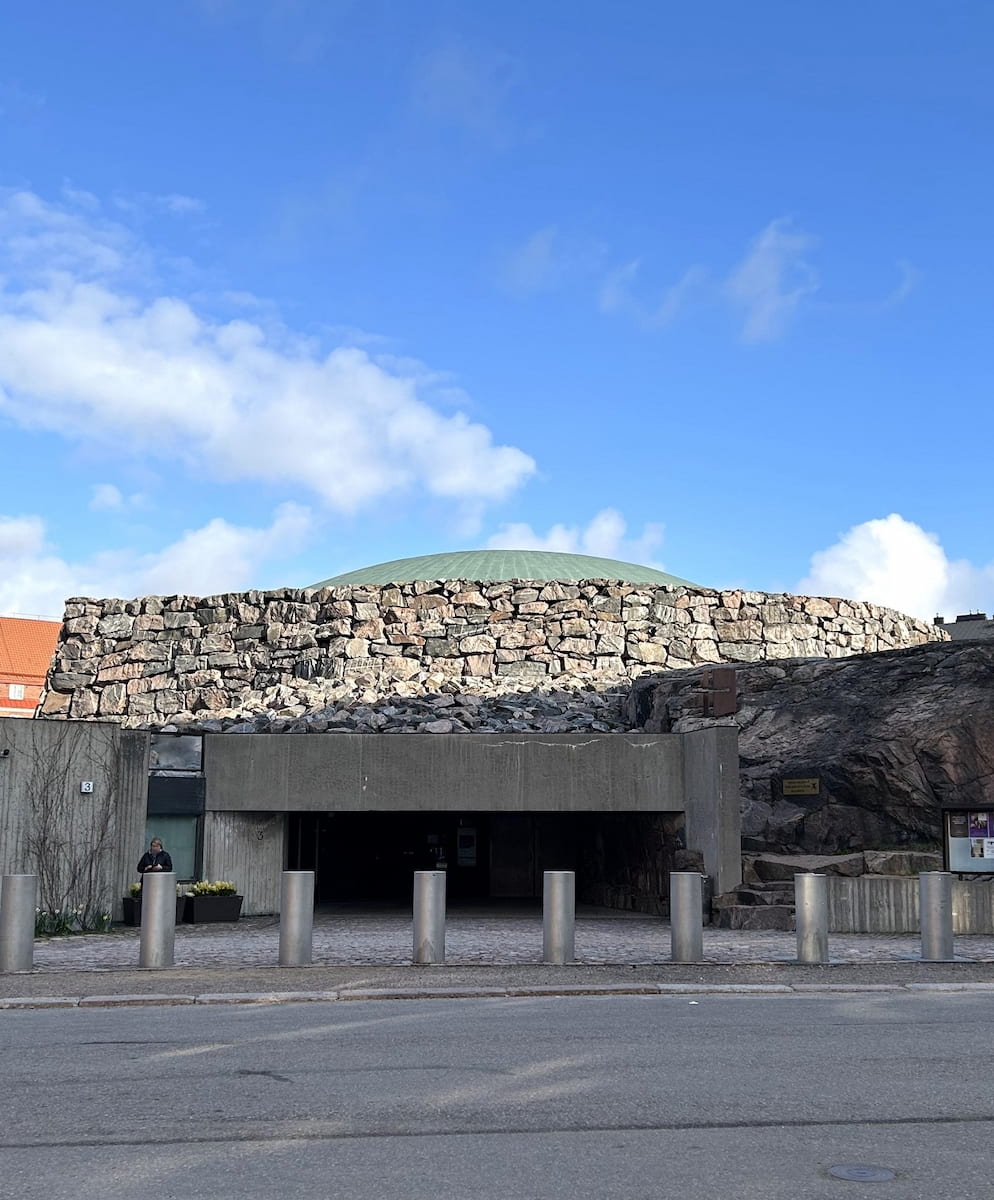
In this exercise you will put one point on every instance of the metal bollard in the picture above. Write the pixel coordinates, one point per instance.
(935, 906)
(158, 932)
(686, 916)
(429, 917)
(811, 911)
(296, 918)
(558, 917)
(18, 901)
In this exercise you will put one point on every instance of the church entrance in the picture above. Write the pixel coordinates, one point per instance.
(621, 859)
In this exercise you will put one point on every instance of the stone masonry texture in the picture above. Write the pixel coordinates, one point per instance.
(429, 656)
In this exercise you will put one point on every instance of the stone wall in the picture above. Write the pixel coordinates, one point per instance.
(279, 655)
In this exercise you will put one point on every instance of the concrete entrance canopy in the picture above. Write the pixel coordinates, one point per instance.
(695, 774)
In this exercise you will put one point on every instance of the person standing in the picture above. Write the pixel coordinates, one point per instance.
(154, 858)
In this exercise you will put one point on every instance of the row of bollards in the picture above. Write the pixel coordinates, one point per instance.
(935, 914)
(158, 928)
(156, 943)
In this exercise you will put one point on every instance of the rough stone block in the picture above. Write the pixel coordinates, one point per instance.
(901, 862)
(783, 867)
(56, 704)
(647, 652)
(478, 644)
(113, 700)
(755, 916)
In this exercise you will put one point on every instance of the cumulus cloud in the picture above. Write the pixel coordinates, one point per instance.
(894, 562)
(603, 537)
(772, 280)
(85, 354)
(218, 557)
(106, 498)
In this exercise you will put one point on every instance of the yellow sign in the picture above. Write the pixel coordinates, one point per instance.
(801, 787)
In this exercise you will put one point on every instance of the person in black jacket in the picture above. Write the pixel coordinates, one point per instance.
(155, 858)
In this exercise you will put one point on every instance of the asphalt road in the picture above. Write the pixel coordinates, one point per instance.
(606, 1098)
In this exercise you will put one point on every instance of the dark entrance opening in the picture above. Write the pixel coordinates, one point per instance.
(622, 860)
(373, 856)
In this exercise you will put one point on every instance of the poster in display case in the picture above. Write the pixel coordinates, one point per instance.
(969, 841)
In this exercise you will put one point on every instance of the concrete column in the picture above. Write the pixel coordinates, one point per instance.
(811, 911)
(686, 916)
(711, 802)
(296, 918)
(18, 901)
(935, 906)
(558, 917)
(429, 917)
(158, 932)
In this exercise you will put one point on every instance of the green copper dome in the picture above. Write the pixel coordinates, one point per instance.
(491, 566)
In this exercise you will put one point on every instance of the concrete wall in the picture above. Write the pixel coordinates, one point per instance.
(451, 773)
(83, 845)
(247, 848)
(889, 904)
(257, 775)
(711, 802)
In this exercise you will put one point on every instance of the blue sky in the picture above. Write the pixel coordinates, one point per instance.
(287, 288)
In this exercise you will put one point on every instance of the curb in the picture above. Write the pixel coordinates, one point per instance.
(472, 993)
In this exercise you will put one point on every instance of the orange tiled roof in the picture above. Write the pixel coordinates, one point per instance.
(26, 647)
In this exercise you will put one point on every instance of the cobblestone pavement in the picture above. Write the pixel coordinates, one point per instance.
(473, 938)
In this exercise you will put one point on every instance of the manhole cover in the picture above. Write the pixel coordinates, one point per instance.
(862, 1173)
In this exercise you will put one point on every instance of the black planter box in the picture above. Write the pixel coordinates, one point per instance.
(211, 908)
(133, 909)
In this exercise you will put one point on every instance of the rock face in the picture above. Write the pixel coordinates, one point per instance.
(229, 661)
(842, 754)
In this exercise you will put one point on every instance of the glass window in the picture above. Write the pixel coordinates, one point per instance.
(176, 752)
(15, 691)
(179, 836)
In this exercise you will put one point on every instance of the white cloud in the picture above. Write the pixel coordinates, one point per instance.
(617, 295)
(772, 280)
(79, 198)
(175, 204)
(766, 288)
(106, 498)
(550, 259)
(218, 557)
(911, 277)
(534, 266)
(467, 86)
(38, 241)
(603, 537)
(83, 355)
(616, 290)
(894, 562)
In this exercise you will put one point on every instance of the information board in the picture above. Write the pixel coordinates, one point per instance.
(970, 841)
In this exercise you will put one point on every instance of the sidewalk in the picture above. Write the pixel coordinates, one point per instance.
(364, 954)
